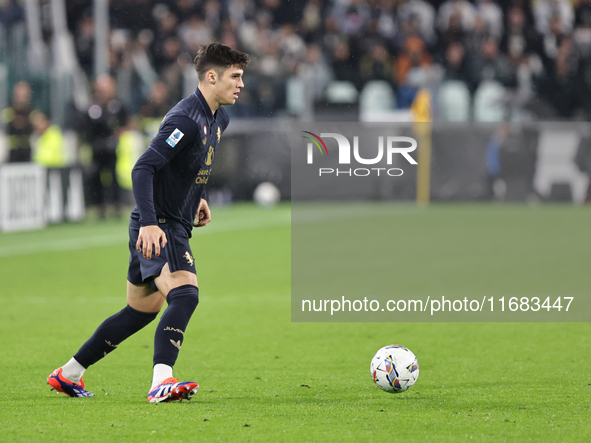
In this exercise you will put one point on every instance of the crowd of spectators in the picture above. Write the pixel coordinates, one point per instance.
(539, 49)
(542, 48)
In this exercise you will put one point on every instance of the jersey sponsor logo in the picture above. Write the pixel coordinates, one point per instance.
(209, 159)
(175, 137)
(203, 177)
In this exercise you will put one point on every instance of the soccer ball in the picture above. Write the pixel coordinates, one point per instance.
(266, 194)
(394, 368)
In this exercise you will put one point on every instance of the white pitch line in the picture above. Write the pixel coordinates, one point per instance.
(262, 220)
(70, 244)
(73, 244)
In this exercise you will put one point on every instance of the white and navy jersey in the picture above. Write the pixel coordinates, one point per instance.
(169, 178)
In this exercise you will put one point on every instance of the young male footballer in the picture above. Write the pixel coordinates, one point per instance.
(168, 185)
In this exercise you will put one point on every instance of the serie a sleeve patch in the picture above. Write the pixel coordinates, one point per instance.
(175, 137)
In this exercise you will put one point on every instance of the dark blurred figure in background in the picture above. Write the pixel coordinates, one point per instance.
(85, 42)
(455, 63)
(104, 122)
(343, 65)
(17, 120)
(563, 87)
(520, 36)
(154, 110)
(490, 64)
(377, 64)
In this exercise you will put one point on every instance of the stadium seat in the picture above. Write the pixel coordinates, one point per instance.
(295, 95)
(454, 102)
(488, 102)
(377, 95)
(341, 92)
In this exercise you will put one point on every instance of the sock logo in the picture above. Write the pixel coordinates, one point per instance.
(168, 328)
(110, 344)
(176, 344)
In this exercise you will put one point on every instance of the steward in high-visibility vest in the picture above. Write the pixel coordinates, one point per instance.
(128, 151)
(49, 149)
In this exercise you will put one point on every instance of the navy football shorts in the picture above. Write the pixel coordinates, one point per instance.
(177, 253)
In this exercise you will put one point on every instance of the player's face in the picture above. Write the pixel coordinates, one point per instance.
(229, 85)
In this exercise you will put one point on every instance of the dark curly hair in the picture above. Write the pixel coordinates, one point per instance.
(219, 57)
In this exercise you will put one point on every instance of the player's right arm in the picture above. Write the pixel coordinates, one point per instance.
(174, 134)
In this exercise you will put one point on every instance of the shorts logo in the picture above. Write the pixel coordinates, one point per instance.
(174, 138)
(189, 258)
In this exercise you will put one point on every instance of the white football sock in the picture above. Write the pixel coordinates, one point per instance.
(73, 370)
(161, 373)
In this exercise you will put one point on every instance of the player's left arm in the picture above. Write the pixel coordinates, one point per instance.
(203, 215)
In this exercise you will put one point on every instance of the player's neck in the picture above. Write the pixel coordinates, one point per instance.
(209, 98)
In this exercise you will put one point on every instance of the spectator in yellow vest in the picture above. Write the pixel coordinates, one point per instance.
(49, 144)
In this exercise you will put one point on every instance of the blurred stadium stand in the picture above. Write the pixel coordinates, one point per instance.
(312, 60)
(454, 101)
(488, 102)
(377, 96)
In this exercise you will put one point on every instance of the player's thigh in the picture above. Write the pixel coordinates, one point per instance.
(143, 298)
(168, 280)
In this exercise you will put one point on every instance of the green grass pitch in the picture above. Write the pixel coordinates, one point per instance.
(264, 378)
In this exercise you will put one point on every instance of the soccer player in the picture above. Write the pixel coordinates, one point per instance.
(168, 185)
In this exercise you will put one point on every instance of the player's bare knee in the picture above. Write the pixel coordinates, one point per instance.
(168, 281)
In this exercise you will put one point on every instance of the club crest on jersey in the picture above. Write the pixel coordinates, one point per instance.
(210, 153)
(174, 138)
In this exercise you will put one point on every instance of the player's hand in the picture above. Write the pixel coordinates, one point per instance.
(203, 215)
(150, 236)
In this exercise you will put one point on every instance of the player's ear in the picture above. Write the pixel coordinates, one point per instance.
(211, 76)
